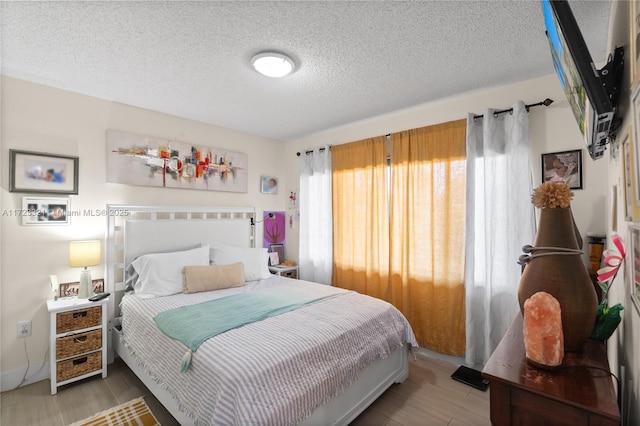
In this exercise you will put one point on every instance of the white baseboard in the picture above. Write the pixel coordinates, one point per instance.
(10, 380)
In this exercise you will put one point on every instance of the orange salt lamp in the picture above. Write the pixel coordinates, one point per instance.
(543, 337)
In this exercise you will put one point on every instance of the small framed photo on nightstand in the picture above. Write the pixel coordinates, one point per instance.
(278, 249)
(274, 259)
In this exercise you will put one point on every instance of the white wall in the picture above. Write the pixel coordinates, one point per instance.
(43, 119)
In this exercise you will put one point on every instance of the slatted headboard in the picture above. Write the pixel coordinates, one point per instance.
(136, 230)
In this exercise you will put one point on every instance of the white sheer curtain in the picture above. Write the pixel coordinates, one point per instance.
(500, 220)
(316, 227)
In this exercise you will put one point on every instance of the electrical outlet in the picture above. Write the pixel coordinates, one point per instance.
(24, 329)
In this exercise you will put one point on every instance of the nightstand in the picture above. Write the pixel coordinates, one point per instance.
(285, 271)
(77, 340)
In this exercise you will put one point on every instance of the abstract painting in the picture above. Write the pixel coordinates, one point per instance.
(148, 161)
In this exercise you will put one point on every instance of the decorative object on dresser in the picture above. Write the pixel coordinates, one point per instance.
(42, 172)
(81, 255)
(77, 340)
(543, 338)
(554, 265)
(608, 317)
(582, 392)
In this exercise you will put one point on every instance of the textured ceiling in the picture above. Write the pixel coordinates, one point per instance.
(355, 59)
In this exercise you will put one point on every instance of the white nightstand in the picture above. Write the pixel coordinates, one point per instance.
(285, 271)
(77, 340)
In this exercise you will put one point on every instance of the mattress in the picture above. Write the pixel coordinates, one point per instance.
(272, 372)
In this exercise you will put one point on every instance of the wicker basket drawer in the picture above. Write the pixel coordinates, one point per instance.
(78, 366)
(79, 319)
(290, 274)
(78, 343)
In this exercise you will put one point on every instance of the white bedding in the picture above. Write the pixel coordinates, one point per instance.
(273, 372)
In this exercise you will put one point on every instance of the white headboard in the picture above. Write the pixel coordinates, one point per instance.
(136, 230)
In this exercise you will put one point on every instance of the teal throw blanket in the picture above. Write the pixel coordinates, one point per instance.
(194, 324)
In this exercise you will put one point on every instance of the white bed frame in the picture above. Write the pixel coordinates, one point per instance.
(136, 230)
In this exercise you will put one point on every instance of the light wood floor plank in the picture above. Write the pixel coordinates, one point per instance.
(429, 396)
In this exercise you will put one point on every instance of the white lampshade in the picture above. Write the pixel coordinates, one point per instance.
(84, 253)
(273, 64)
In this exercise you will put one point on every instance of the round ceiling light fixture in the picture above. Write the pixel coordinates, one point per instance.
(273, 64)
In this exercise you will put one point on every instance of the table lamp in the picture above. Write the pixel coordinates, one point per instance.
(81, 255)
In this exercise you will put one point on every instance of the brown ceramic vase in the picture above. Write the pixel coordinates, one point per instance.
(565, 277)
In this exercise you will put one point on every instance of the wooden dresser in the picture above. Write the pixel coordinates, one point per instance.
(521, 394)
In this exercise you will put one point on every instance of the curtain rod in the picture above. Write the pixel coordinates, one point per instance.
(546, 102)
(311, 151)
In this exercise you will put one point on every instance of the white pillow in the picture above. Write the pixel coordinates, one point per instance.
(160, 274)
(255, 260)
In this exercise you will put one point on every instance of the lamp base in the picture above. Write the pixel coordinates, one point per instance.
(85, 290)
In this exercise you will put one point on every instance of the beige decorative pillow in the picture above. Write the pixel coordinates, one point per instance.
(198, 278)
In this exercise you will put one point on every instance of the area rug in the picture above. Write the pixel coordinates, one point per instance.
(470, 377)
(132, 413)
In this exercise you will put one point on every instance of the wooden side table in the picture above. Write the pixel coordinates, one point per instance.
(77, 340)
(581, 392)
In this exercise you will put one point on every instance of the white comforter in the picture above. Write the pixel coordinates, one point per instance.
(272, 372)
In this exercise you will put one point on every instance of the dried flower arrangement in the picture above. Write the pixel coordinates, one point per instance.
(552, 195)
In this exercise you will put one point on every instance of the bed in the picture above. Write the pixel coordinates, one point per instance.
(321, 363)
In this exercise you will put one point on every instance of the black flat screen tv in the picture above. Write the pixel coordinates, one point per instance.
(579, 77)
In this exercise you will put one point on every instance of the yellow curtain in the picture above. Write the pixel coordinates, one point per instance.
(360, 217)
(427, 222)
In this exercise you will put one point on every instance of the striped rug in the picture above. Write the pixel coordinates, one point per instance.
(132, 413)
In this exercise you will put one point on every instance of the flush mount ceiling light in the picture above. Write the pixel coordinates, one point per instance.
(273, 64)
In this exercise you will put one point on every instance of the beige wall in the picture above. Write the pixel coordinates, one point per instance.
(39, 118)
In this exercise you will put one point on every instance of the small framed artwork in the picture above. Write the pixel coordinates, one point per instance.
(626, 169)
(274, 259)
(42, 172)
(45, 211)
(564, 166)
(71, 289)
(268, 185)
(279, 250)
(635, 100)
(613, 212)
(634, 278)
(634, 42)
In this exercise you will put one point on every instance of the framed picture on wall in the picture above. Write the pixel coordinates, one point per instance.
(45, 211)
(627, 185)
(564, 166)
(268, 185)
(634, 42)
(42, 172)
(634, 265)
